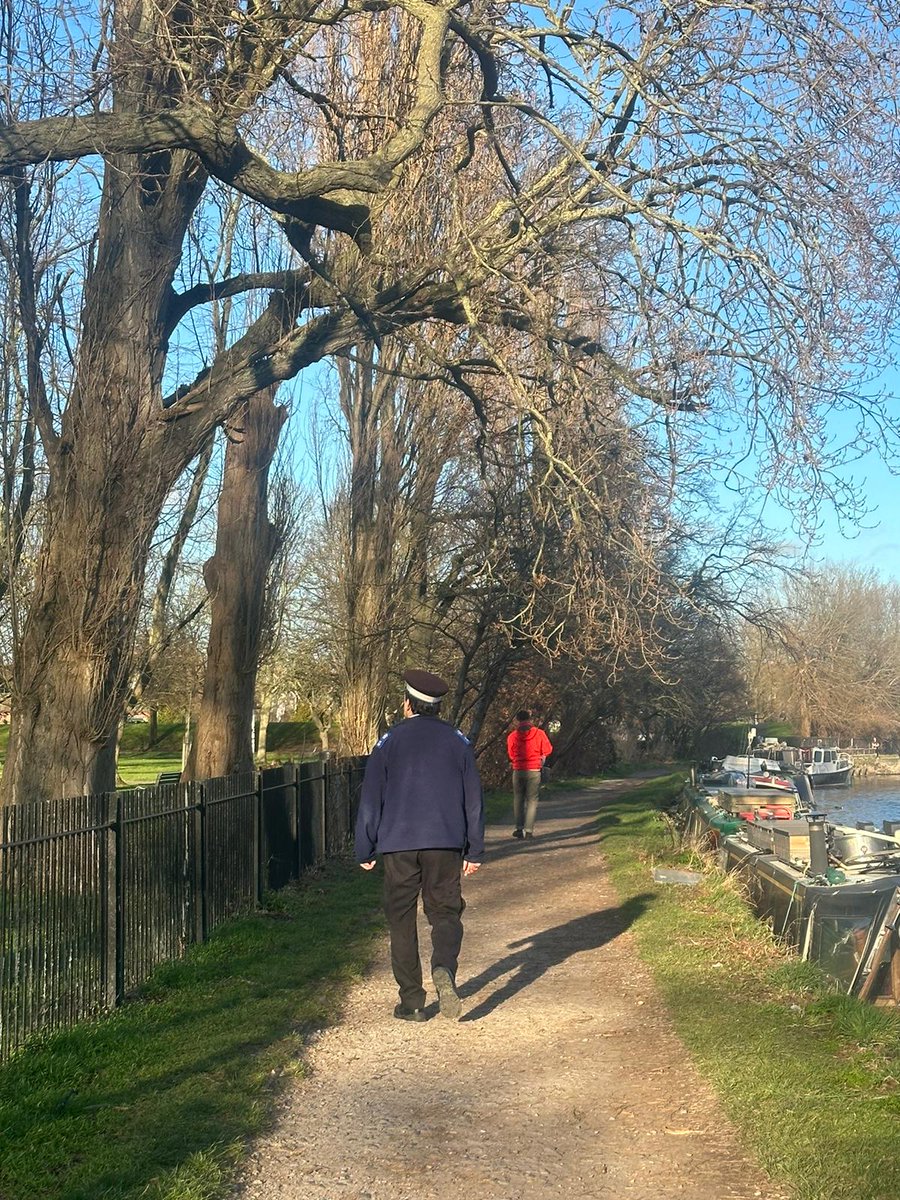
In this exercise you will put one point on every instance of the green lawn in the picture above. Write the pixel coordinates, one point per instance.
(811, 1077)
(140, 764)
(134, 769)
(156, 1100)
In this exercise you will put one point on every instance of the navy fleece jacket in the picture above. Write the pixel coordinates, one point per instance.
(421, 791)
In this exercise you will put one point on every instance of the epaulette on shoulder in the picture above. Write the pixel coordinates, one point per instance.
(459, 733)
(384, 737)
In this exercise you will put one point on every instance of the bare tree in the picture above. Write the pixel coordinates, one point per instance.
(162, 628)
(739, 239)
(832, 667)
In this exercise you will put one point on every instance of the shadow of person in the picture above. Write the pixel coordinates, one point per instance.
(533, 956)
(570, 837)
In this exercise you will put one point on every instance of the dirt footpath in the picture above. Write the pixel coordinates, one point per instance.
(563, 1077)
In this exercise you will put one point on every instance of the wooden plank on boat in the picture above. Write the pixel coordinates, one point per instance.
(883, 943)
(895, 967)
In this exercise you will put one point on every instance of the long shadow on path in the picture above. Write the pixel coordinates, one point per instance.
(533, 956)
(562, 839)
(582, 806)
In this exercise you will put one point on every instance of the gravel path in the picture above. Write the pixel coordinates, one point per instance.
(563, 1077)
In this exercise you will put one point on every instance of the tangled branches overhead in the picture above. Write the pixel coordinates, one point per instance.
(686, 207)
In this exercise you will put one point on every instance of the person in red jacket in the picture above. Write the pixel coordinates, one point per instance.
(528, 748)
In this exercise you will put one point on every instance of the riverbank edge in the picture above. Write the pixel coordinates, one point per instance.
(873, 768)
(809, 1076)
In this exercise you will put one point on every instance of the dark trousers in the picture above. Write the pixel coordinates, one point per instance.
(435, 874)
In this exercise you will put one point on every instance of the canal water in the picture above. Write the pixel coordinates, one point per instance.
(875, 798)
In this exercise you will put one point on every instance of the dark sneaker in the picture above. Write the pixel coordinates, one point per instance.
(402, 1013)
(518, 833)
(448, 997)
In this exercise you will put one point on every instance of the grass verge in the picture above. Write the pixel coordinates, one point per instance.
(498, 807)
(810, 1077)
(134, 769)
(157, 1100)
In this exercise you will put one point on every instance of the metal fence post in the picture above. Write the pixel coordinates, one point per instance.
(348, 800)
(298, 823)
(320, 809)
(120, 898)
(198, 883)
(259, 870)
(110, 892)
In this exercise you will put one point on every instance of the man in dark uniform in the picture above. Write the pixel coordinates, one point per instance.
(422, 810)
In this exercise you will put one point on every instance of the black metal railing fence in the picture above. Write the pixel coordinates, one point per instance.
(97, 891)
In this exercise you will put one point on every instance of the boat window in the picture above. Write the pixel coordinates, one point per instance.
(829, 756)
(817, 756)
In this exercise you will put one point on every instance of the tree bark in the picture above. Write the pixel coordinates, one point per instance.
(246, 543)
(262, 730)
(370, 550)
(111, 466)
(323, 727)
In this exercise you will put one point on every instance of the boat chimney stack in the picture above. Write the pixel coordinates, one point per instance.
(818, 847)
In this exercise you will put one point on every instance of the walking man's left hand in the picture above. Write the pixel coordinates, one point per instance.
(469, 868)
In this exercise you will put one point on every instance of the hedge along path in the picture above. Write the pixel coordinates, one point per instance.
(563, 1077)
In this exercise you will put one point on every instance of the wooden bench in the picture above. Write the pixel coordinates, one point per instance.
(168, 777)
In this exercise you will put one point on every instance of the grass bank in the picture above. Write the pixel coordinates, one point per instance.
(140, 763)
(157, 1100)
(809, 1076)
(498, 807)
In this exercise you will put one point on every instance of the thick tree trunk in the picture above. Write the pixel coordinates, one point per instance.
(262, 731)
(187, 737)
(110, 465)
(368, 574)
(323, 728)
(805, 719)
(236, 581)
(72, 667)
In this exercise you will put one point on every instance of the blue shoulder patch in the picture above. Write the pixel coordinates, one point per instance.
(384, 737)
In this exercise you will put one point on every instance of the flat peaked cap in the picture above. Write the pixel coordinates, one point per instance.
(425, 686)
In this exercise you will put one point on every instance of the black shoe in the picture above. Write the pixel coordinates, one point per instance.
(402, 1013)
(529, 835)
(518, 833)
(448, 997)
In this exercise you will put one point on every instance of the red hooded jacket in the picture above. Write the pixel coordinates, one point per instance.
(527, 747)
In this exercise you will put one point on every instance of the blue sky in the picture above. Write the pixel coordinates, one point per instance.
(878, 543)
(875, 543)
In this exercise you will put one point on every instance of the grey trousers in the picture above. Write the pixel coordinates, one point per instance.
(526, 787)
